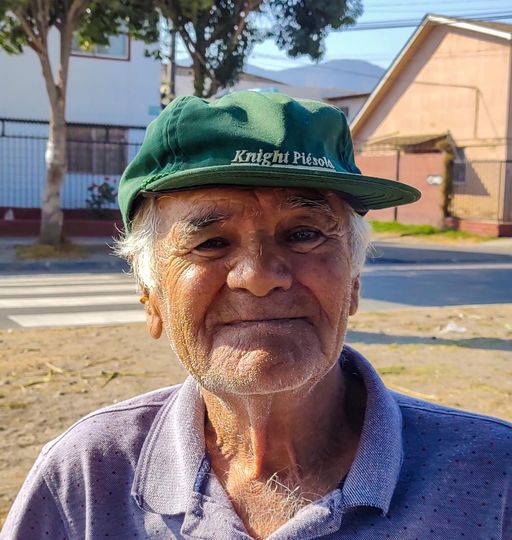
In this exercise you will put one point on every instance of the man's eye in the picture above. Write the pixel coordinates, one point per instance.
(212, 244)
(304, 236)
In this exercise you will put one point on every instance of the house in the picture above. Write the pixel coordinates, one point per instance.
(113, 93)
(253, 78)
(447, 97)
(348, 102)
(246, 81)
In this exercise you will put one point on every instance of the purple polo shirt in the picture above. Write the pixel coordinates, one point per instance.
(138, 469)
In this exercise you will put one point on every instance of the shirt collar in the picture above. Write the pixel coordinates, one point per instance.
(374, 473)
(172, 455)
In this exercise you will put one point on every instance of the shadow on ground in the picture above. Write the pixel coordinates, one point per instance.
(381, 338)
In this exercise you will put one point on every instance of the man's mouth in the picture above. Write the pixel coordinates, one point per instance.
(241, 323)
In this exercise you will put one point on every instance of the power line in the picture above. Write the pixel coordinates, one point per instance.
(407, 23)
(422, 2)
(370, 6)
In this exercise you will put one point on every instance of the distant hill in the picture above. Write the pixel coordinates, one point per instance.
(352, 75)
(355, 76)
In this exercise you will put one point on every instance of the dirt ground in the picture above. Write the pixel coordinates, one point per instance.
(51, 377)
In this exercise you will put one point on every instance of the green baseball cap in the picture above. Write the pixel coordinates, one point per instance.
(253, 139)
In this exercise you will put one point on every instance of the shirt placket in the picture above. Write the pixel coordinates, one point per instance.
(207, 519)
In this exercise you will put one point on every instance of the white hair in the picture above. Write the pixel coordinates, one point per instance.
(138, 246)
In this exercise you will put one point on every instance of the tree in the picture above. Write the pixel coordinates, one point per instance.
(27, 23)
(218, 34)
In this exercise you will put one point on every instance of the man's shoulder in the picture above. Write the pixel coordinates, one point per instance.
(91, 465)
(120, 428)
(426, 420)
(434, 411)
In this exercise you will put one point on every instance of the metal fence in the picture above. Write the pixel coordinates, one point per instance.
(99, 152)
(95, 153)
(480, 190)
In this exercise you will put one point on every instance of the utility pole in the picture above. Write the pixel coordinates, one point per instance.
(168, 86)
(172, 81)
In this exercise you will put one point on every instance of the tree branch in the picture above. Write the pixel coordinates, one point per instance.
(41, 9)
(66, 39)
(51, 87)
(191, 48)
(238, 20)
(76, 9)
(34, 41)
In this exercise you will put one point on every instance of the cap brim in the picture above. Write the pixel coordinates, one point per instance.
(363, 192)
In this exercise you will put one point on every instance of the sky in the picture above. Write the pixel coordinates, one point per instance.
(379, 46)
(382, 45)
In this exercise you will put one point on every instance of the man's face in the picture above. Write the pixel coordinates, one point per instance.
(254, 285)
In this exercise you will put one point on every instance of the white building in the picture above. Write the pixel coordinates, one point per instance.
(113, 93)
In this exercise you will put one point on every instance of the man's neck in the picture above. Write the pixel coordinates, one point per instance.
(275, 453)
(293, 434)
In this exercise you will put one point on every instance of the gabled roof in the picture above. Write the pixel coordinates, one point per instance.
(501, 27)
(499, 30)
(342, 94)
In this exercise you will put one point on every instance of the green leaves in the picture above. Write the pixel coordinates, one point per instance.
(95, 21)
(219, 34)
(300, 26)
(12, 37)
(138, 18)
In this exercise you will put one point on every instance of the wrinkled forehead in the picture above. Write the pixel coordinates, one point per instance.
(198, 205)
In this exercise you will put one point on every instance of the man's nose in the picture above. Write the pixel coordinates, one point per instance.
(260, 271)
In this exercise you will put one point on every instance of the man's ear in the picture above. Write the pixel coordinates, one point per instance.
(354, 295)
(153, 317)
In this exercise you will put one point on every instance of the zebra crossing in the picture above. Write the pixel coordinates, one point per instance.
(43, 300)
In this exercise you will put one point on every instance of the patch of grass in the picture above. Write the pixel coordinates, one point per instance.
(391, 370)
(402, 229)
(66, 250)
(15, 405)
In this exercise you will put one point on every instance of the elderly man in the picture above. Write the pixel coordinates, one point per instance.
(244, 230)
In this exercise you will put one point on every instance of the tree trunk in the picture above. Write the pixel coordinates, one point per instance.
(55, 158)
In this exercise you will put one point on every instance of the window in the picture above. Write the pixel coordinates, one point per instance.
(96, 150)
(117, 49)
(459, 166)
(344, 109)
(459, 172)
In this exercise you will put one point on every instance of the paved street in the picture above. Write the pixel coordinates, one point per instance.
(402, 286)
(423, 275)
(71, 299)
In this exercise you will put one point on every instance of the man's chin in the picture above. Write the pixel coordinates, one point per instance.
(262, 370)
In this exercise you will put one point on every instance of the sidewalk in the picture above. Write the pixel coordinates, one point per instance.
(409, 251)
(99, 257)
(498, 245)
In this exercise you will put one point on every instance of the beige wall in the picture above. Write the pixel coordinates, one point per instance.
(481, 195)
(457, 81)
